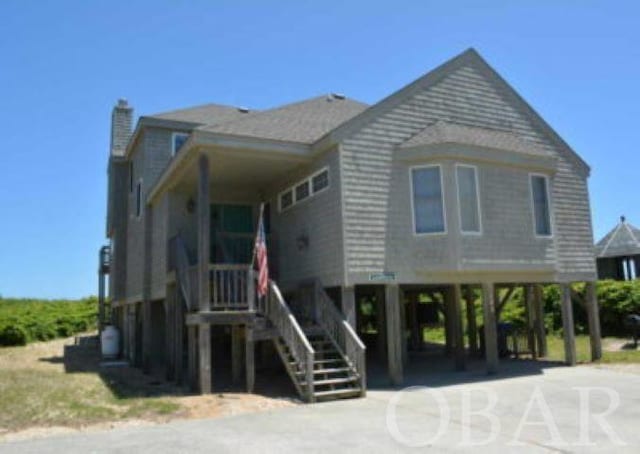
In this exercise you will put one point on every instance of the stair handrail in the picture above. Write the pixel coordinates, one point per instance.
(341, 333)
(294, 338)
(182, 272)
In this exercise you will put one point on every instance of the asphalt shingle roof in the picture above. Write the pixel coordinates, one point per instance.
(623, 240)
(443, 132)
(302, 122)
(207, 114)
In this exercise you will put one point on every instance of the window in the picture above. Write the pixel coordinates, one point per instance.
(468, 199)
(177, 141)
(541, 212)
(302, 191)
(320, 181)
(286, 199)
(139, 198)
(428, 203)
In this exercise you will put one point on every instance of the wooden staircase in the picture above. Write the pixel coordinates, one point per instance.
(333, 375)
(326, 359)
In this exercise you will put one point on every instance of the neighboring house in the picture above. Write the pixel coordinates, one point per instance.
(618, 253)
(449, 185)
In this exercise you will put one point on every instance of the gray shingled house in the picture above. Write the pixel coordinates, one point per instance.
(618, 253)
(453, 185)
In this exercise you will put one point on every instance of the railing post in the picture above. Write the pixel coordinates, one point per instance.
(309, 373)
(251, 290)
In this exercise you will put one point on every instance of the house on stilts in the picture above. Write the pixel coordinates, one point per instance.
(453, 185)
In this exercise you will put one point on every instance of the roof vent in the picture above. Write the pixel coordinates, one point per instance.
(337, 96)
(243, 110)
(622, 218)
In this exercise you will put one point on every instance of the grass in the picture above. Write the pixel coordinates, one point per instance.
(555, 347)
(35, 391)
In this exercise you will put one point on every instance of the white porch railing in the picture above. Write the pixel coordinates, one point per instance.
(294, 338)
(232, 287)
(341, 332)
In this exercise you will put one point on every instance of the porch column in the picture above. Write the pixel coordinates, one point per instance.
(249, 357)
(169, 339)
(204, 231)
(593, 316)
(538, 309)
(529, 313)
(394, 344)
(472, 328)
(490, 327)
(567, 325)
(146, 291)
(449, 322)
(458, 332)
(349, 305)
(236, 353)
(179, 327)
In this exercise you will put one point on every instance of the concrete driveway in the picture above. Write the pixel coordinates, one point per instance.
(533, 410)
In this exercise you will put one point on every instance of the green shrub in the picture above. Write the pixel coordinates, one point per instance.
(39, 320)
(13, 335)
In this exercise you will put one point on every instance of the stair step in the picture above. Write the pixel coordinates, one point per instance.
(331, 381)
(338, 393)
(334, 370)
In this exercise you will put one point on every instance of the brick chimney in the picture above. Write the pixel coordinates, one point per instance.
(121, 125)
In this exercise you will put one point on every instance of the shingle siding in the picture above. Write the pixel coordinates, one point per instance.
(374, 204)
(317, 218)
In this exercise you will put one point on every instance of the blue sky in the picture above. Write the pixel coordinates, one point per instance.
(65, 63)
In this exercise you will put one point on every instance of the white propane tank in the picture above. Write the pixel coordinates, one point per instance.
(110, 342)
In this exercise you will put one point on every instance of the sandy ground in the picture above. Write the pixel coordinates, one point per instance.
(65, 355)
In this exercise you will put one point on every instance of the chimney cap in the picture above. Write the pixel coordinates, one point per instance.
(122, 102)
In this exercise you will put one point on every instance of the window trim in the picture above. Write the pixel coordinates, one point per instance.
(442, 198)
(533, 204)
(478, 206)
(173, 141)
(324, 169)
(138, 199)
(309, 181)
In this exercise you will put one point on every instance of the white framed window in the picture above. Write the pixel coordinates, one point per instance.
(286, 199)
(305, 189)
(427, 199)
(468, 199)
(320, 180)
(177, 141)
(541, 205)
(139, 198)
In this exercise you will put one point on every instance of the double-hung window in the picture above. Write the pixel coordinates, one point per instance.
(540, 199)
(468, 199)
(428, 202)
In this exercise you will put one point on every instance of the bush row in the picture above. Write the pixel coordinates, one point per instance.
(616, 299)
(25, 320)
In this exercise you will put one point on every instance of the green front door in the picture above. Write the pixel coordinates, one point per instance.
(231, 233)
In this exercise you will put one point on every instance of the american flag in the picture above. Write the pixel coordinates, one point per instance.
(261, 256)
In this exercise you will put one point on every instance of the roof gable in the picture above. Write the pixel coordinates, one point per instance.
(469, 60)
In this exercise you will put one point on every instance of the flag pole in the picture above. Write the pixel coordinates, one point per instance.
(253, 255)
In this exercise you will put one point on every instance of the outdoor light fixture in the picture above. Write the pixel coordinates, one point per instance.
(191, 205)
(303, 242)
